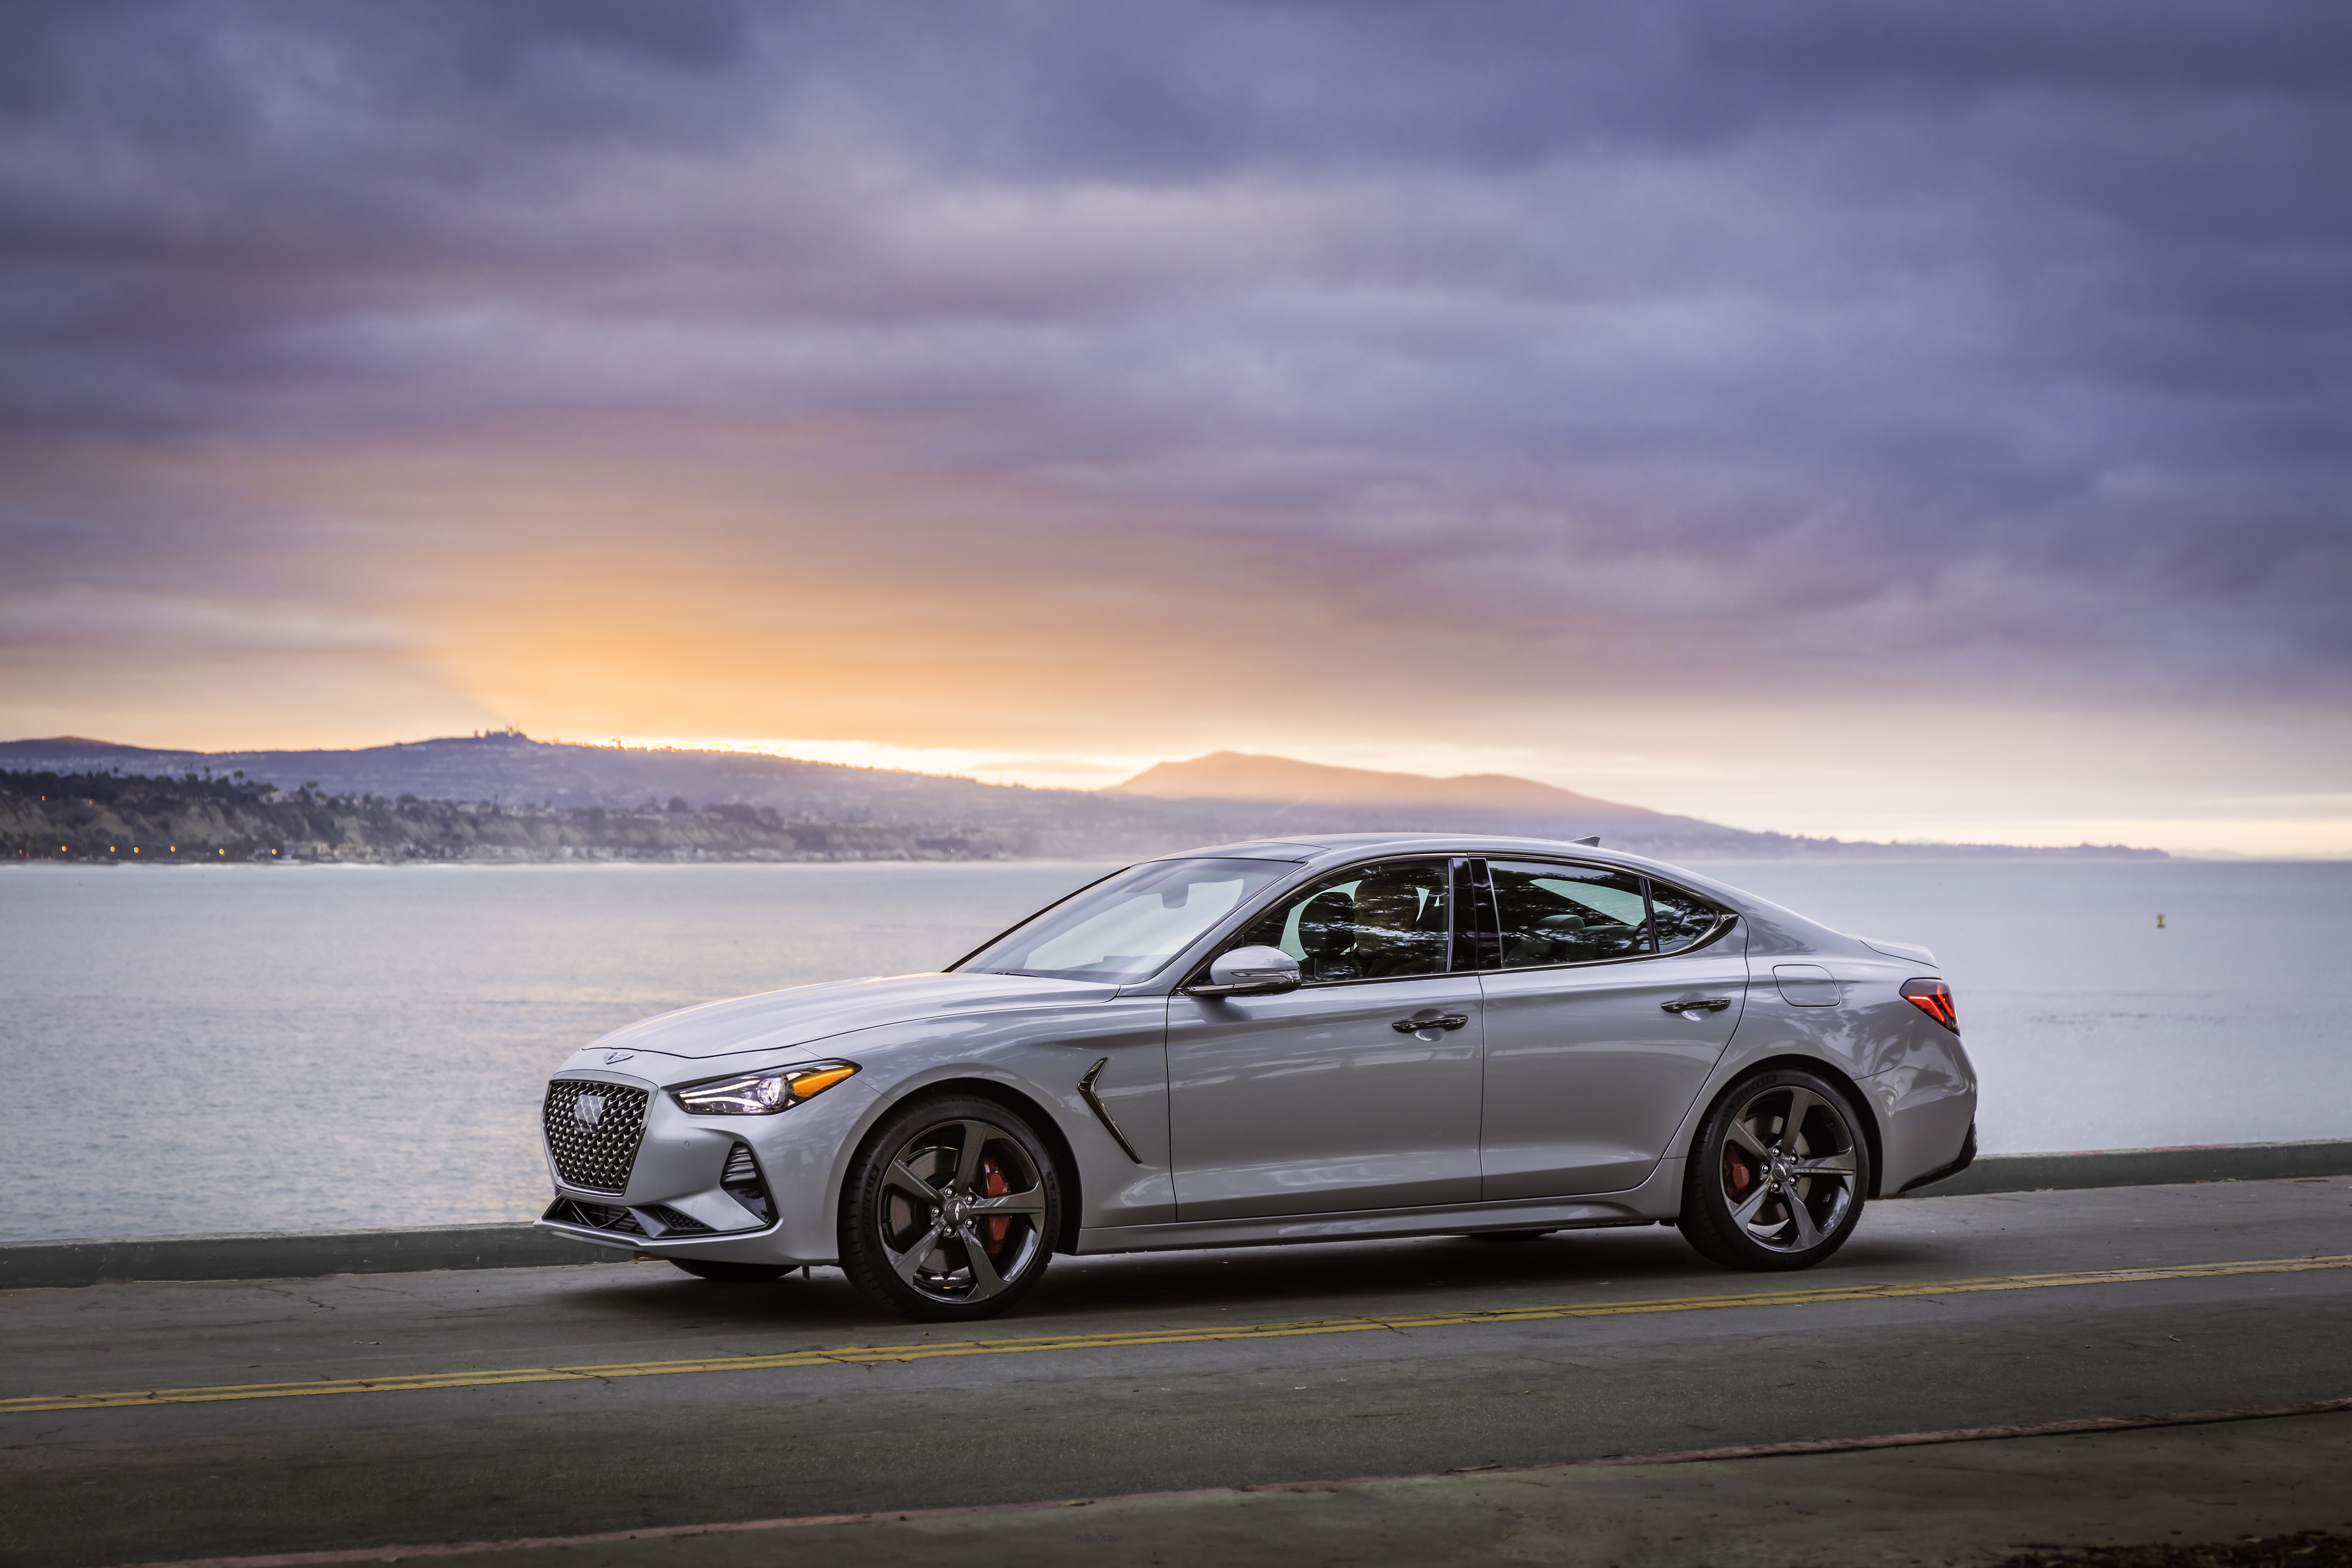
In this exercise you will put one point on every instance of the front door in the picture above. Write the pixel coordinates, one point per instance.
(1316, 1101)
(1588, 1068)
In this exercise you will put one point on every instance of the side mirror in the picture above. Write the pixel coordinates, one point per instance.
(1247, 971)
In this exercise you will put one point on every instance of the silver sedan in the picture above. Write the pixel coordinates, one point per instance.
(1324, 1040)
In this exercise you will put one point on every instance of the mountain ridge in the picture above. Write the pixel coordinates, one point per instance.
(1257, 776)
(1120, 822)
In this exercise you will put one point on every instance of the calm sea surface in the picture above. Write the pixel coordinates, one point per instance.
(314, 1047)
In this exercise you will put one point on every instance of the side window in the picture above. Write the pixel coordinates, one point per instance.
(1567, 914)
(1370, 922)
(1679, 919)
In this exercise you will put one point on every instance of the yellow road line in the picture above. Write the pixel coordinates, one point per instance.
(856, 1355)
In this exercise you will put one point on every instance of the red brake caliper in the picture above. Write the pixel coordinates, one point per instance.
(994, 1183)
(1738, 1174)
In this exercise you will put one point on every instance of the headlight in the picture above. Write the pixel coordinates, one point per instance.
(759, 1093)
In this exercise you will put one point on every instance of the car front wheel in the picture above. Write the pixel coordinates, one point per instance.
(1778, 1174)
(950, 1210)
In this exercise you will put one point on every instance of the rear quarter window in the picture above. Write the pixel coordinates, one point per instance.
(1679, 919)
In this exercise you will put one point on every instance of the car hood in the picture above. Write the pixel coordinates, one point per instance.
(778, 1020)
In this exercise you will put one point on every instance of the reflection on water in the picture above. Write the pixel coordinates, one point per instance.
(311, 1048)
(270, 1048)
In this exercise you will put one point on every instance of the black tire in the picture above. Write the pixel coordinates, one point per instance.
(950, 1210)
(731, 1273)
(1777, 1174)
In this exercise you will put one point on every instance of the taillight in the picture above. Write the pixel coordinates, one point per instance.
(1934, 998)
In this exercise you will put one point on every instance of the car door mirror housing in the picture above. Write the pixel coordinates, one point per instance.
(1249, 971)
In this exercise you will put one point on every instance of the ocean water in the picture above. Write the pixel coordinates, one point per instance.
(309, 1048)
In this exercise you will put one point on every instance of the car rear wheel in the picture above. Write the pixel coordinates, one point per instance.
(949, 1211)
(1777, 1175)
(731, 1273)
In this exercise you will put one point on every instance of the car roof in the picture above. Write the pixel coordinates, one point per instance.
(1312, 851)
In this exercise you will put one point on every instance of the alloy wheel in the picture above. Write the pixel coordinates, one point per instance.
(961, 1212)
(1789, 1168)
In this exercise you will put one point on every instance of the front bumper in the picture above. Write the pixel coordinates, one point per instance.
(744, 1189)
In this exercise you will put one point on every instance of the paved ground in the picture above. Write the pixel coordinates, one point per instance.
(1876, 1342)
(1913, 1505)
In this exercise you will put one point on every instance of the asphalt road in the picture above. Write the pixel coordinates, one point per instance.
(1558, 1360)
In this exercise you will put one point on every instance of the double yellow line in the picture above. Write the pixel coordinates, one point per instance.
(860, 1355)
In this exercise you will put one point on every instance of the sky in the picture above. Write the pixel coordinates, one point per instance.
(1886, 420)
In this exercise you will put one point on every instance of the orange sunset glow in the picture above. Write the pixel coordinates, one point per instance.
(831, 414)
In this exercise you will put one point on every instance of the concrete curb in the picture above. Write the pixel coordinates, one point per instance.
(25, 1265)
(29, 1264)
(2145, 1167)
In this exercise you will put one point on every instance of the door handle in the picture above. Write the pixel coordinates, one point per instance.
(1434, 1021)
(1707, 1005)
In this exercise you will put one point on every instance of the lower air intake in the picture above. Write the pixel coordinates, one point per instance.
(596, 1216)
(741, 1180)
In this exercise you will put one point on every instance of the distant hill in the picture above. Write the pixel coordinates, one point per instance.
(1245, 777)
(1278, 795)
(1223, 796)
(136, 819)
(1281, 794)
(514, 771)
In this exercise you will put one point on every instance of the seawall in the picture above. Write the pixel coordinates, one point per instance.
(25, 1265)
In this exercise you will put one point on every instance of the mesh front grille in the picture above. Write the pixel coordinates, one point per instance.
(592, 1131)
(678, 1222)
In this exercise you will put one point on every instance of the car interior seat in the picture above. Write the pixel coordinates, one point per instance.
(1549, 939)
(1391, 934)
(1327, 936)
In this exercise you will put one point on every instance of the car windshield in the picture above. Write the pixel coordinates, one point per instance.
(1130, 925)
